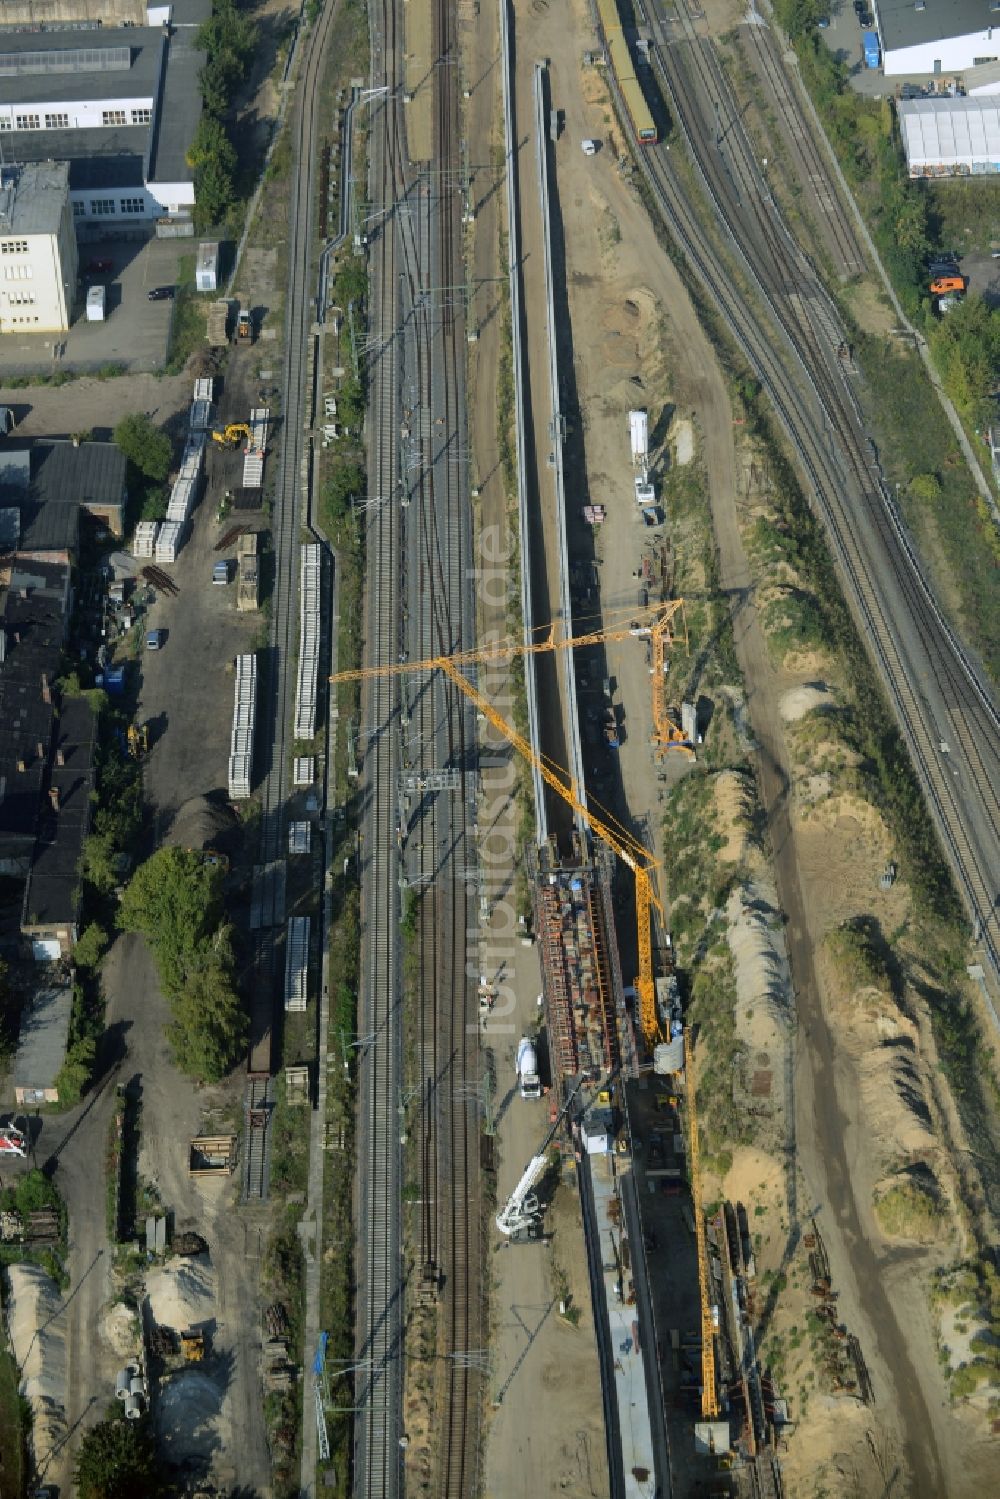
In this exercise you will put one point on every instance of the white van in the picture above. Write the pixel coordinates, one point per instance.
(589, 147)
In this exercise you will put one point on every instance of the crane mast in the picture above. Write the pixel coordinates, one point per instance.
(709, 1399)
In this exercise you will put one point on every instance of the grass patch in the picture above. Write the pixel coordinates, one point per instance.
(910, 1209)
(188, 326)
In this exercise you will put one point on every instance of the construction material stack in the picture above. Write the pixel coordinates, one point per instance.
(297, 964)
(247, 573)
(187, 485)
(241, 744)
(144, 541)
(308, 673)
(218, 324)
(253, 458)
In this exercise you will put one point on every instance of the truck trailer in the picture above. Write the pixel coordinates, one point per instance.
(527, 1069)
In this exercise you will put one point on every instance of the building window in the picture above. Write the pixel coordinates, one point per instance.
(133, 205)
(6, 123)
(16, 271)
(22, 298)
(27, 122)
(79, 210)
(980, 62)
(141, 116)
(13, 247)
(57, 122)
(103, 205)
(112, 117)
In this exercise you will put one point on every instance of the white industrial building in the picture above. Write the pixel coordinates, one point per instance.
(38, 257)
(119, 103)
(951, 137)
(937, 36)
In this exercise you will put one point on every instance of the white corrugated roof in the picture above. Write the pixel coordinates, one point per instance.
(950, 130)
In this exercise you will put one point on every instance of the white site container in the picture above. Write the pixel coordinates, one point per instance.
(97, 303)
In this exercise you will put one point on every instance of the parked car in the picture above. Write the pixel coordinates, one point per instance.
(8, 421)
(823, 23)
(220, 574)
(155, 640)
(161, 294)
(99, 267)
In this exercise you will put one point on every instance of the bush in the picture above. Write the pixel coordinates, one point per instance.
(147, 449)
(117, 1460)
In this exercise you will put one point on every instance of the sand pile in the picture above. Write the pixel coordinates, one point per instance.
(763, 987)
(733, 805)
(120, 1329)
(37, 1333)
(182, 1292)
(799, 701)
(894, 1101)
(682, 434)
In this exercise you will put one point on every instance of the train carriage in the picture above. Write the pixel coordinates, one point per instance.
(619, 56)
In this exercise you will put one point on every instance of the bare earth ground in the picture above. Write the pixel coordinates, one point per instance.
(418, 75)
(89, 405)
(188, 758)
(827, 864)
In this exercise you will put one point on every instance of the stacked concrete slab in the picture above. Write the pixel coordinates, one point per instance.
(297, 964)
(308, 673)
(144, 541)
(169, 541)
(241, 743)
(253, 458)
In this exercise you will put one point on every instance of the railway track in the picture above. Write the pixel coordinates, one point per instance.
(947, 715)
(378, 1382)
(439, 733)
(278, 702)
(808, 164)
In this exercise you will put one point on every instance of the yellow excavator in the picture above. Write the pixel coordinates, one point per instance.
(228, 436)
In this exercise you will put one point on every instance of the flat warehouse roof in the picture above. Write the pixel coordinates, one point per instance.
(94, 78)
(946, 130)
(905, 26)
(97, 158)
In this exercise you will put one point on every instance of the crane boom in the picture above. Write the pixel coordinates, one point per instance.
(645, 622)
(709, 1398)
(631, 852)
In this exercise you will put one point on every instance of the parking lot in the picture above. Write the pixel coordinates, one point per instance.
(135, 331)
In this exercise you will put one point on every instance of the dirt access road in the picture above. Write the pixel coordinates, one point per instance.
(186, 693)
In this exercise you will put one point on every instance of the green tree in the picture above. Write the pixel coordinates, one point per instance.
(174, 899)
(209, 1027)
(144, 446)
(343, 487)
(117, 1460)
(926, 488)
(215, 194)
(77, 1070)
(211, 143)
(91, 947)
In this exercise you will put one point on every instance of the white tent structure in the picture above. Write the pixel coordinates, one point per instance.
(951, 137)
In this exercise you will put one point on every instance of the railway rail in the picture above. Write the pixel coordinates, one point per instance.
(946, 712)
(809, 166)
(378, 1383)
(283, 641)
(440, 732)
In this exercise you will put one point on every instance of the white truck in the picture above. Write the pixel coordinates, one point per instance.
(527, 1069)
(97, 304)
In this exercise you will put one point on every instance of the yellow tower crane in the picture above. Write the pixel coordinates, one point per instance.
(709, 1398)
(656, 623)
(632, 853)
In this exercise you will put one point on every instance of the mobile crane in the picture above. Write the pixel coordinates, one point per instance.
(605, 826)
(522, 1210)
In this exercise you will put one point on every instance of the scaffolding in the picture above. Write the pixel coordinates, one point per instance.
(579, 957)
